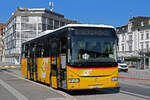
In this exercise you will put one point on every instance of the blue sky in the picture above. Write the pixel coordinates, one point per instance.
(110, 12)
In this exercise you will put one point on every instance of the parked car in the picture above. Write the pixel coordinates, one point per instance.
(122, 66)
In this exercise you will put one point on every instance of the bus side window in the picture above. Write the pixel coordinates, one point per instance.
(53, 48)
(23, 51)
(26, 51)
(46, 47)
(63, 52)
(38, 50)
(63, 45)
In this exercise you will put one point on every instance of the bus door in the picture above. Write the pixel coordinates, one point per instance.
(34, 65)
(31, 62)
(54, 77)
(63, 53)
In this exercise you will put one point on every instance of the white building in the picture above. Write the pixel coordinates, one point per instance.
(134, 38)
(27, 23)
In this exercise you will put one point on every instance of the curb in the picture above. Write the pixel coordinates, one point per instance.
(125, 77)
(7, 67)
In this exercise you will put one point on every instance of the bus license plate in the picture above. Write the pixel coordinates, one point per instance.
(95, 86)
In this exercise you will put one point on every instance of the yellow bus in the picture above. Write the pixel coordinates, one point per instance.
(73, 57)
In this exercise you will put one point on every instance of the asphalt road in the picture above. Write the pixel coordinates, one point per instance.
(135, 89)
(14, 87)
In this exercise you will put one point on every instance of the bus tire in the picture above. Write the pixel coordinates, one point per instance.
(51, 81)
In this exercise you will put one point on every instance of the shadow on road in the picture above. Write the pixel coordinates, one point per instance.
(93, 91)
(6, 70)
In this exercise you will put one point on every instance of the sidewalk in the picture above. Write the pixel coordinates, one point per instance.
(136, 74)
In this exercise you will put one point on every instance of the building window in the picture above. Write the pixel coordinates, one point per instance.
(123, 38)
(62, 23)
(50, 22)
(147, 45)
(39, 26)
(43, 27)
(25, 26)
(142, 36)
(147, 34)
(142, 47)
(44, 20)
(130, 48)
(56, 25)
(122, 47)
(49, 27)
(130, 37)
(24, 19)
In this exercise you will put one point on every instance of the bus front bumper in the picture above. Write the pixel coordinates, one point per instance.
(92, 83)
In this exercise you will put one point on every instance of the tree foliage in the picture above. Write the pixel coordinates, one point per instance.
(131, 59)
(148, 54)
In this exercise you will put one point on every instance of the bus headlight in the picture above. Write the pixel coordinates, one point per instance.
(114, 79)
(74, 80)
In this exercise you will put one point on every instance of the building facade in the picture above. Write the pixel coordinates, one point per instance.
(26, 24)
(134, 38)
(2, 28)
(2, 49)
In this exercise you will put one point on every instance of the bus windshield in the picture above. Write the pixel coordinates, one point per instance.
(93, 48)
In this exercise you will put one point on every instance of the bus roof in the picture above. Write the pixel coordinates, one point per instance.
(70, 25)
(89, 25)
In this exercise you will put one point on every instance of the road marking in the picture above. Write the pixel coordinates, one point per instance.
(57, 99)
(12, 90)
(68, 97)
(138, 95)
(125, 77)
